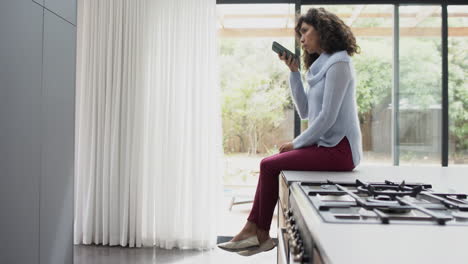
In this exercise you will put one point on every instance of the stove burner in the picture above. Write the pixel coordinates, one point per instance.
(383, 198)
(328, 187)
(386, 202)
(395, 210)
(389, 189)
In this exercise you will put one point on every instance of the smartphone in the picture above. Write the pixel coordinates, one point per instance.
(278, 48)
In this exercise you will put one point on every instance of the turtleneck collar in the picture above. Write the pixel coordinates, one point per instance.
(320, 66)
(319, 62)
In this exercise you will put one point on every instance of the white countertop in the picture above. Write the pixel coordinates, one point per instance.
(379, 243)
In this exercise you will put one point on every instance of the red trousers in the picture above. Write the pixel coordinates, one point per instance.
(313, 158)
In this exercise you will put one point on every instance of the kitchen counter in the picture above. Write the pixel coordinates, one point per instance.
(379, 243)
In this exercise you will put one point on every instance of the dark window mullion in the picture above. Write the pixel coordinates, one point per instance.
(445, 95)
(396, 87)
(297, 119)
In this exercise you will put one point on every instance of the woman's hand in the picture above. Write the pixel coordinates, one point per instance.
(292, 63)
(286, 147)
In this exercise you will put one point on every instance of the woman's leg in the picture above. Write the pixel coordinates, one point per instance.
(313, 158)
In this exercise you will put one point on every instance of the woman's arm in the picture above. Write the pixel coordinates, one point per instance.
(297, 89)
(337, 81)
(298, 94)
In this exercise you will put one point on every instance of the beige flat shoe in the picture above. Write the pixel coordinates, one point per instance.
(265, 246)
(248, 243)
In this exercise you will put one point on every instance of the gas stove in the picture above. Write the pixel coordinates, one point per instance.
(406, 214)
(385, 202)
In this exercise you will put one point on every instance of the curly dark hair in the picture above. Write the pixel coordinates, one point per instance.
(334, 34)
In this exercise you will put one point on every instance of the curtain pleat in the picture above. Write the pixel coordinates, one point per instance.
(148, 127)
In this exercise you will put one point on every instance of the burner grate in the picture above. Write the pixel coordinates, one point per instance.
(387, 202)
(390, 189)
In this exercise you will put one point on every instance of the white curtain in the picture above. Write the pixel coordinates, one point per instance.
(148, 124)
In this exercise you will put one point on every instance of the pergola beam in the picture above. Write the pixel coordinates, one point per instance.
(425, 13)
(362, 15)
(356, 12)
(359, 32)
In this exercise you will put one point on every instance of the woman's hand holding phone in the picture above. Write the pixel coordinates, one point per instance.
(292, 63)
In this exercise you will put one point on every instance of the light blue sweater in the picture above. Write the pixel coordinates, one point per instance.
(329, 104)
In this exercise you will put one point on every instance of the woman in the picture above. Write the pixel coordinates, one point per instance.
(332, 142)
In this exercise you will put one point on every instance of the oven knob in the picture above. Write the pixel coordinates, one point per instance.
(295, 234)
(297, 250)
(293, 244)
(290, 220)
(295, 231)
(299, 257)
(290, 226)
(292, 231)
(296, 245)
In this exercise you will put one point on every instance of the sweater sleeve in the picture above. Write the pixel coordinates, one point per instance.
(298, 94)
(337, 80)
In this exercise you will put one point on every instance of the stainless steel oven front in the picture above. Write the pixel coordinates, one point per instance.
(295, 241)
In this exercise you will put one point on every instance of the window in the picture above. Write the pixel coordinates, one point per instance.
(372, 27)
(420, 87)
(257, 110)
(458, 84)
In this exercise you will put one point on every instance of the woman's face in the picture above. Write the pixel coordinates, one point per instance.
(310, 39)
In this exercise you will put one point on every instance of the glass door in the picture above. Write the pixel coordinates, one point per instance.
(372, 27)
(458, 84)
(257, 110)
(420, 85)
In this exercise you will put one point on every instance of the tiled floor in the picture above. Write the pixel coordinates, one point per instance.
(232, 222)
(119, 255)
